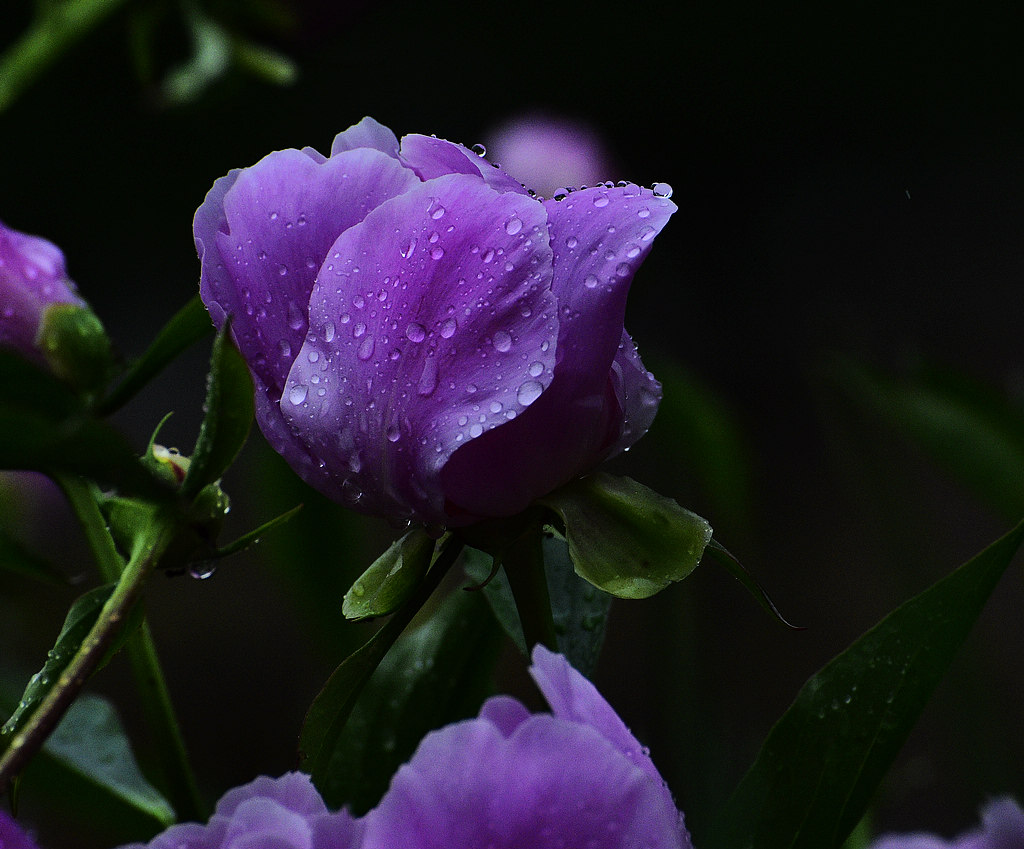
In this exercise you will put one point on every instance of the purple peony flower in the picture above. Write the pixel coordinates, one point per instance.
(509, 779)
(428, 341)
(548, 153)
(12, 836)
(269, 813)
(1002, 827)
(32, 278)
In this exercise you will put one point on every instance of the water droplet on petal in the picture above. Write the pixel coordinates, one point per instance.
(632, 251)
(502, 341)
(571, 242)
(297, 394)
(437, 212)
(513, 226)
(488, 255)
(359, 302)
(475, 430)
(313, 356)
(479, 149)
(623, 269)
(365, 349)
(358, 330)
(428, 377)
(437, 253)
(662, 190)
(448, 328)
(415, 332)
(328, 331)
(536, 369)
(393, 434)
(647, 234)
(295, 318)
(529, 392)
(600, 201)
(590, 281)
(285, 348)
(409, 248)
(643, 212)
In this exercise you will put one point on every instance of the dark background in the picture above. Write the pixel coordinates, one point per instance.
(849, 180)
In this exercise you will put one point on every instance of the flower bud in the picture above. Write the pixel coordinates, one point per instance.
(41, 315)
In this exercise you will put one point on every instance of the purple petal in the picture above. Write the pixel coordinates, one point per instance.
(551, 784)
(12, 836)
(431, 323)
(638, 393)
(433, 157)
(573, 697)
(506, 713)
(367, 133)
(593, 408)
(261, 254)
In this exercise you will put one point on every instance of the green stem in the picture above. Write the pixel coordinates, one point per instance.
(56, 27)
(180, 785)
(33, 734)
(523, 562)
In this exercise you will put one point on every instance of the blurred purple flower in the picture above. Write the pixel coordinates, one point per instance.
(1002, 827)
(12, 836)
(32, 278)
(427, 340)
(509, 779)
(548, 153)
(269, 813)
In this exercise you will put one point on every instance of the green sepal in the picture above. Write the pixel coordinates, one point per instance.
(190, 324)
(77, 624)
(75, 345)
(822, 762)
(253, 537)
(625, 538)
(391, 578)
(436, 674)
(229, 413)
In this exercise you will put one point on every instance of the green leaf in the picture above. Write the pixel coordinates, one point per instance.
(625, 538)
(975, 433)
(579, 609)
(333, 705)
(91, 745)
(190, 324)
(81, 617)
(819, 767)
(436, 674)
(229, 414)
(391, 578)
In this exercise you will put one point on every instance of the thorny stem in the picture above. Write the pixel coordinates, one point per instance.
(34, 733)
(181, 788)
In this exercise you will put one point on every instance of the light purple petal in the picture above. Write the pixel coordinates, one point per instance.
(367, 133)
(431, 323)
(261, 255)
(1003, 821)
(12, 836)
(573, 697)
(432, 157)
(638, 393)
(551, 784)
(294, 791)
(593, 408)
(506, 713)
(910, 841)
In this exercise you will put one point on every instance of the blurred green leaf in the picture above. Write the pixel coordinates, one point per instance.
(973, 432)
(190, 324)
(229, 413)
(578, 608)
(817, 771)
(625, 538)
(438, 673)
(391, 578)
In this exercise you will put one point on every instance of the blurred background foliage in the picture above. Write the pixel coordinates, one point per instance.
(835, 312)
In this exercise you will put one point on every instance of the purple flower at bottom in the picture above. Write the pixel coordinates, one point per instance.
(268, 813)
(573, 778)
(12, 836)
(1002, 827)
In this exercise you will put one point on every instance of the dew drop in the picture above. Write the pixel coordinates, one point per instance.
(415, 332)
(647, 234)
(623, 269)
(662, 190)
(358, 330)
(632, 251)
(600, 201)
(529, 392)
(448, 328)
(295, 318)
(344, 318)
(571, 242)
(438, 212)
(475, 430)
(513, 226)
(285, 348)
(590, 281)
(393, 434)
(428, 377)
(365, 349)
(479, 149)
(536, 369)
(297, 394)
(328, 331)
(502, 341)
(313, 356)
(273, 216)
(643, 212)
(355, 462)
(359, 302)
(495, 406)
(488, 255)
(437, 253)
(407, 251)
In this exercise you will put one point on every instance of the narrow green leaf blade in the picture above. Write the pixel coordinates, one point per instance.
(229, 413)
(819, 767)
(190, 324)
(625, 538)
(438, 673)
